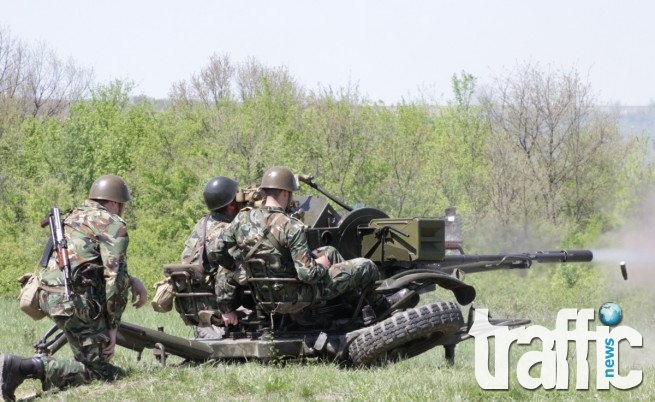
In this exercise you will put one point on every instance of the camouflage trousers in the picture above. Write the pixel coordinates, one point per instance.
(330, 252)
(348, 277)
(84, 326)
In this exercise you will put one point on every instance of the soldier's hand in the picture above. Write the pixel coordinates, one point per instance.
(230, 318)
(111, 346)
(324, 261)
(139, 292)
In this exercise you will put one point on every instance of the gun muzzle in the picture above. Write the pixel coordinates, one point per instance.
(565, 256)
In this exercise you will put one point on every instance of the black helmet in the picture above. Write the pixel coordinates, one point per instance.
(111, 188)
(219, 192)
(281, 178)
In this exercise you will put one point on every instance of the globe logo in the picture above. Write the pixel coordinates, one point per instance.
(610, 314)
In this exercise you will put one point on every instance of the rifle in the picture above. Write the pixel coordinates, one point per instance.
(60, 244)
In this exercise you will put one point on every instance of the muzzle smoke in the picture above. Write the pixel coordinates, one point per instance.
(635, 246)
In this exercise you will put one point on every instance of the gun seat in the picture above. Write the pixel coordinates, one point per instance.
(193, 272)
(195, 300)
(276, 292)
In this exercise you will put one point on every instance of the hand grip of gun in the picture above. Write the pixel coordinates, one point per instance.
(61, 247)
(306, 178)
(309, 180)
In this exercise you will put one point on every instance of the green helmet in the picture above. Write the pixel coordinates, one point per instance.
(281, 178)
(219, 192)
(111, 188)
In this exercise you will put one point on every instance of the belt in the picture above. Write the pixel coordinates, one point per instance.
(62, 289)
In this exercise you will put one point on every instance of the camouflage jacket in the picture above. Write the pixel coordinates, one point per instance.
(215, 223)
(245, 232)
(97, 239)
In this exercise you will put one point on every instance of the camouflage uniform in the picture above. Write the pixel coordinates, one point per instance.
(245, 231)
(215, 223)
(97, 243)
(212, 225)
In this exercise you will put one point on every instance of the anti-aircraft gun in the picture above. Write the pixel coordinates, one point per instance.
(402, 244)
(414, 254)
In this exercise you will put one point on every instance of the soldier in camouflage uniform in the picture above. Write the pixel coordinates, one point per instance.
(246, 232)
(220, 196)
(97, 243)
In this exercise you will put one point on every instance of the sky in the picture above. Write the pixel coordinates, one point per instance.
(389, 50)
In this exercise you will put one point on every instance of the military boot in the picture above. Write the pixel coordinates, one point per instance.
(384, 304)
(14, 370)
(368, 315)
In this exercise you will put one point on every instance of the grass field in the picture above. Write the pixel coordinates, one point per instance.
(424, 378)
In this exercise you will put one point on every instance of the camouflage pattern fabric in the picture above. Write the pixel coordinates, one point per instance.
(227, 289)
(96, 239)
(247, 229)
(213, 225)
(85, 329)
(347, 277)
(97, 245)
(330, 252)
(192, 247)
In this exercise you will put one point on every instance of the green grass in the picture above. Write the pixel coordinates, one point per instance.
(424, 378)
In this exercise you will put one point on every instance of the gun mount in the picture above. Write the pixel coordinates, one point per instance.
(410, 243)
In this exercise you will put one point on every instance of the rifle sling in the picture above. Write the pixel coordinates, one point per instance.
(267, 235)
(204, 256)
(283, 250)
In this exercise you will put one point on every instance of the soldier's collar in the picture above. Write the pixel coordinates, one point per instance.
(94, 204)
(218, 216)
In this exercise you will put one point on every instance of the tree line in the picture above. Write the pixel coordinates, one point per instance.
(529, 161)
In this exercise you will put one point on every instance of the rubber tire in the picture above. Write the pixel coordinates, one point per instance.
(406, 334)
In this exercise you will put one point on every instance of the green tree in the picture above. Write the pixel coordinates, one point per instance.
(552, 151)
(408, 186)
(341, 134)
(459, 162)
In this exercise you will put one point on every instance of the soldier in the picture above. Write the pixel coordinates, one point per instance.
(292, 253)
(220, 197)
(97, 243)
